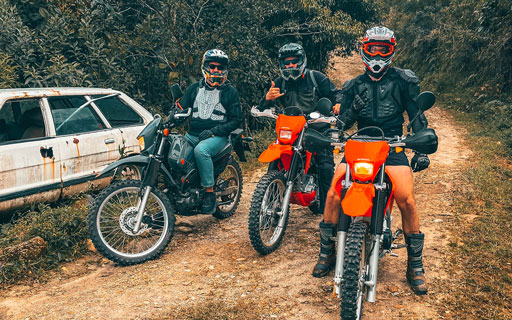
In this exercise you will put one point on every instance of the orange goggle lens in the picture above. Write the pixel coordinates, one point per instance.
(378, 48)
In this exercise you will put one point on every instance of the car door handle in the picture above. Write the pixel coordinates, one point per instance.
(109, 141)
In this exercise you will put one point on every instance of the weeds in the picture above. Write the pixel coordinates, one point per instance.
(483, 249)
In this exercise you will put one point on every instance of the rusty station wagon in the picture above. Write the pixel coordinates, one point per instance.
(54, 141)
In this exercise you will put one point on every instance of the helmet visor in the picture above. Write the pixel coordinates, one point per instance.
(382, 49)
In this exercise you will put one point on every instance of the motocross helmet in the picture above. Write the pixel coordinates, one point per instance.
(215, 77)
(378, 50)
(292, 50)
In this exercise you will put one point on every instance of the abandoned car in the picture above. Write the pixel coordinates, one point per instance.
(54, 141)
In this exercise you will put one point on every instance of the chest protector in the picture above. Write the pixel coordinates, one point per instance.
(384, 100)
(207, 106)
(304, 99)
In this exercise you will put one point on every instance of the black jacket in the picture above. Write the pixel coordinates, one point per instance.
(324, 88)
(388, 98)
(218, 111)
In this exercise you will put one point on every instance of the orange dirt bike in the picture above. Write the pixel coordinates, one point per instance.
(291, 177)
(364, 226)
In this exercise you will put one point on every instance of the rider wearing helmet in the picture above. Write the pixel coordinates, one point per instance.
(379, 98)
(301, 87)
(215, 113)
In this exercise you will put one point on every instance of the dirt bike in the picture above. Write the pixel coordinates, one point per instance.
(132, 221)
(364, 227)
(291, 177)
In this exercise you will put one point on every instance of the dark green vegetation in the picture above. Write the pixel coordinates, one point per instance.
(141, 47)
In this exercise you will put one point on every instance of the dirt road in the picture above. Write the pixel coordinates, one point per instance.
(210, 264)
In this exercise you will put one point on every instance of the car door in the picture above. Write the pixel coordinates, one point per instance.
(29, 156)
(87, 144)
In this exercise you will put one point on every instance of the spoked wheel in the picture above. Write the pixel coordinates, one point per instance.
(129, 172)
(230, 190)
(265, 214)
(357, 251)
(112, 219)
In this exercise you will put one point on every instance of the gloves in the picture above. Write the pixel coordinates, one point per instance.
(205, 135)
(419, 162)
(360, 101)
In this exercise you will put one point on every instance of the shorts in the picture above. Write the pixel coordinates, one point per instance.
(394, 159)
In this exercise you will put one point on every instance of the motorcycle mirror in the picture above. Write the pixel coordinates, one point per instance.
(425, 100)
(176, 92)
(314, 115)
(324, 106)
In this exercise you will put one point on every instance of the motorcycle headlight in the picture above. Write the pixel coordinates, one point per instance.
(141, 143)
(285, 134)
(363, 170)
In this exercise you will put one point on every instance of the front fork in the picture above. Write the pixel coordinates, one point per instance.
(376, 226)
(150, 179)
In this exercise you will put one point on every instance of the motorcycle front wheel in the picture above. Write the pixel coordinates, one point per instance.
(230, 183)
(112, 218)
(357, 251)
(266, 213)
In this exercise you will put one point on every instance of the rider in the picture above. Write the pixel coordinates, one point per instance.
(301, 87)
(378, 98)
(215, 113)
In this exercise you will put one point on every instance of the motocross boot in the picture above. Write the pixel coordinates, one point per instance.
(415, 273)
(209, 203)
(327, 257)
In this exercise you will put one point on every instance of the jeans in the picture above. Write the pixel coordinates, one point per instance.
(203, 153)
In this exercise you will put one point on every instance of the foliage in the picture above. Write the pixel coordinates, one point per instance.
(455, 44)
(63, 229)
(143, 46)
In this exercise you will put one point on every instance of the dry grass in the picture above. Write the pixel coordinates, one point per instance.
(481, 287)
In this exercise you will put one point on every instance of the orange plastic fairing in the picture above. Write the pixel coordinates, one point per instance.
(274, 152)
(291, 123)
(358, 200)
(373, 152)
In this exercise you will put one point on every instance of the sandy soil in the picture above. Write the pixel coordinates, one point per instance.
(210, 260)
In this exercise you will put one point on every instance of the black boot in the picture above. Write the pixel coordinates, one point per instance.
(327, 257)
(415, 273)
(209, 203)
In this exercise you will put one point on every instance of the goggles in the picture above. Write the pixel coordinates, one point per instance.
(291, 61)
(216, 66)
(382, 49)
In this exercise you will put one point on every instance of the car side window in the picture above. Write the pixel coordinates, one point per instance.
(73, 114)
(21, 119)
(117, 112)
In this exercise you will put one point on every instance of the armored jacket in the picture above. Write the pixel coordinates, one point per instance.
(217, 109)
(304, 92)
(387, 98)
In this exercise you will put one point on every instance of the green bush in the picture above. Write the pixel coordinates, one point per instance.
(64, 230)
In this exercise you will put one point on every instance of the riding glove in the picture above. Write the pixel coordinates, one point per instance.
(419, 162)
(205, 134)
(360, 101)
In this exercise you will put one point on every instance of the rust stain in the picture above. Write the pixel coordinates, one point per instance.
(53, 168)
(44, 168)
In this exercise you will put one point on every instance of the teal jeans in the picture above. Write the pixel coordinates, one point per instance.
(203, 153)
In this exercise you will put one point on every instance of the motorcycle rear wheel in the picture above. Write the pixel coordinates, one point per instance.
(267, 201)
(232, 174)
(111, 220)
(357, 250)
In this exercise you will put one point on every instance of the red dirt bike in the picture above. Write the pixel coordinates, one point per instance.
(291, 177)
(364, 226)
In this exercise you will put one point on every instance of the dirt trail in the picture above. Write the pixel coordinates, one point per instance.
(210, 260)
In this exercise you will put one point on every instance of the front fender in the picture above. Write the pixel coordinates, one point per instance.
(139, 160)
(274, 152)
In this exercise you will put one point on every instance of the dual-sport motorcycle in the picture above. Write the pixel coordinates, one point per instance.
(292, 174)
(364, 226)
(132, 221)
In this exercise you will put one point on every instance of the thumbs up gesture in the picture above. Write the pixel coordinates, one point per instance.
(273, 93)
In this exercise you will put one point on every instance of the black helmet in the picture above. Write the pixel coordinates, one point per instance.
(292, 50)
(378, 49)
(218, 77)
